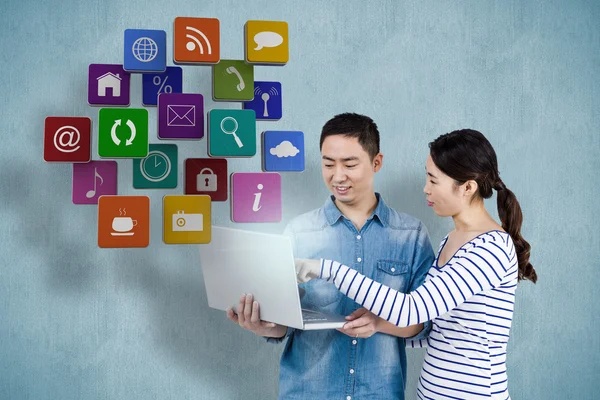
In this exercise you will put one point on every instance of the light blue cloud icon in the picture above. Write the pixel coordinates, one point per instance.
(284, 149)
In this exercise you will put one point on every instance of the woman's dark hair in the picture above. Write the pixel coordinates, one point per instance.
(466, 155)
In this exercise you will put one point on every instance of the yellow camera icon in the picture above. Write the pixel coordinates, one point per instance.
(183, 222)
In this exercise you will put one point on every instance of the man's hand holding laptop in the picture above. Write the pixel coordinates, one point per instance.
(248, 317)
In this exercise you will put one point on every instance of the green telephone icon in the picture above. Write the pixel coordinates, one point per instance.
(233, 80)
(232, 70)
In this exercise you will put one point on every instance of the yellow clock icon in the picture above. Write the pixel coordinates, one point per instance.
(156, 166)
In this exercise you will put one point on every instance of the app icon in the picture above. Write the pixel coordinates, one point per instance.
(145, 50)
(267, 101)
(158, 170)
(233, 80)
(186, 219)
(68, 139)
(180, 116)
(196, 40)
(108, 85)
(256, 197)
(283, 151)
(123, 132)
(92, 180)
(232, 133)
(267, 42)
(123, 221)
(207, 176)
(153, 85)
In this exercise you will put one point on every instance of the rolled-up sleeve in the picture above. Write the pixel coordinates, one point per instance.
(281, 339)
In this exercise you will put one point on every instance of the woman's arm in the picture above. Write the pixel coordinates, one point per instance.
(480, 269)
(406, 332)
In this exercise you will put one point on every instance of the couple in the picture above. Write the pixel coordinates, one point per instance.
(358, 257)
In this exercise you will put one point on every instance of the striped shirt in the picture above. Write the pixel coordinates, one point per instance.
(470, 301)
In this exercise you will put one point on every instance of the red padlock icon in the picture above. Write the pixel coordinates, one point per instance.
(206, 182)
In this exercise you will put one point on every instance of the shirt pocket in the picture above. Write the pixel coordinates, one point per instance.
(394, 274)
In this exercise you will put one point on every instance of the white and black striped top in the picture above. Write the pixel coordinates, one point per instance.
(470, 300)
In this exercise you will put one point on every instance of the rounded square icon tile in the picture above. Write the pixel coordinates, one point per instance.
(233, 80)
(207, 176)
(283, 151)
(267, 102)
(186, 219)
(92, 180)
(158, 170)
(180, 116)
(145, 50)
(108, 85)
(123, 133)
(232, 133)
(256, 197)
(123, 221)
(155, 84)
(196, 40)
(67, 139)
(266, 42)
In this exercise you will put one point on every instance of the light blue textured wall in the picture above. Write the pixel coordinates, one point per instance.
(79, 322)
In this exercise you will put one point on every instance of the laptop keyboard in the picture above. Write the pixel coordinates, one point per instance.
(312, 316)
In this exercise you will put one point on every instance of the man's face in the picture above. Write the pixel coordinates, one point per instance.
(347, 169)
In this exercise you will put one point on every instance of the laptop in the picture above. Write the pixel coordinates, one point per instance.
(262, 264)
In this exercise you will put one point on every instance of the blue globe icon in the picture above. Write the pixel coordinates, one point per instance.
(144, 49)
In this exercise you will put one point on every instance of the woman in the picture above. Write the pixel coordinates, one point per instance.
(469, 291)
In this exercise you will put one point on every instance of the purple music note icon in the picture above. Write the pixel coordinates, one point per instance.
(92, 180)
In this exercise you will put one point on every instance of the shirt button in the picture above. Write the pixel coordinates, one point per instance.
(348, 397)
(359, 259)
(393, 269)
(354, 341)
(351, 371)
(358, 237)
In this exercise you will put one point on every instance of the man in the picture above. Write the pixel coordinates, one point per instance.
(357, 228)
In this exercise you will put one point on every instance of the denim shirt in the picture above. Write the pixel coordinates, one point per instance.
(392, 248)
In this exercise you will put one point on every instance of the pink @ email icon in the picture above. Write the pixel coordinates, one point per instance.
(181, 115)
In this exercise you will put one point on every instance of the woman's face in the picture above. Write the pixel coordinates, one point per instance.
(443, 195)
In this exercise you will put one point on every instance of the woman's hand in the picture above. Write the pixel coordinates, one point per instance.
(307, 269)
(362, 324)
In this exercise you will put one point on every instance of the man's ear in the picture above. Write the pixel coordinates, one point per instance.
(377, 162)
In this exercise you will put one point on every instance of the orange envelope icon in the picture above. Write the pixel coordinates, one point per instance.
(196, 40)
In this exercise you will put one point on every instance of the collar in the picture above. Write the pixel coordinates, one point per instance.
(333, 214)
